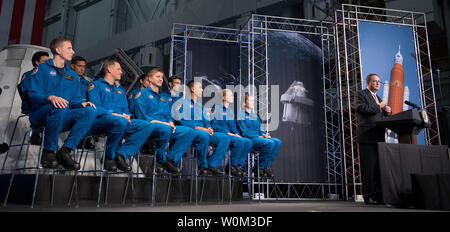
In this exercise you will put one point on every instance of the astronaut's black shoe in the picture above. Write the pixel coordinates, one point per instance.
(259, 172)
(122, 163)
(234, 171)
(48, 159)
(110, 165)
(202, 171)
(159, 169)
(269, 173)
(216, 172)
(65, 159)
(243, 173)
(171, 168)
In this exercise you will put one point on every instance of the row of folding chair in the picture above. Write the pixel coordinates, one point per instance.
(99, 169)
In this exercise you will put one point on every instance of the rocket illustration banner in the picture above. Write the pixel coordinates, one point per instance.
(388, 50)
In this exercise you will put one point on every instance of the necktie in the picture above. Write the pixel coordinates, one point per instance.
(376, 99)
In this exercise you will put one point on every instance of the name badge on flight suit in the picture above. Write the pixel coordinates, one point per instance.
(119, 92)
(163, 100)
(137, 95)
(68, 77)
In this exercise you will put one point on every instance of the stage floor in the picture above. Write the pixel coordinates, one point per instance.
(241, 206)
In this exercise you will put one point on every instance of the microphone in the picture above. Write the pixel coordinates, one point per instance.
(412, 105)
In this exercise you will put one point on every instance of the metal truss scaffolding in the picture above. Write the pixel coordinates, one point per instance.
(258, 27)
(350, 79)
(253, 44)
(180, 35)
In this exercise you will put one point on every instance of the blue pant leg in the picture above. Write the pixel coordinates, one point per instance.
(275, 150)
(245, 151)
(139, 131)
(201, 142)
(221, 141)
(82, 120)
(236, 146)
(160, 136)
(53, 120)
(114, 127)
(264, 146)
(181, 140)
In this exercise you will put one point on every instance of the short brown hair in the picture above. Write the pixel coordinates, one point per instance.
(369, 77)
(172, 78)
(56, 43)
(108, 63)
(247, 96)
(153, 71)
(192, 82)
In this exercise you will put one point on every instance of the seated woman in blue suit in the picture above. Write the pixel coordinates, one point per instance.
(224, 121)
(250, 126)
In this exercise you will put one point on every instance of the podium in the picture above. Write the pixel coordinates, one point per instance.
(398, 162)
(405, 124)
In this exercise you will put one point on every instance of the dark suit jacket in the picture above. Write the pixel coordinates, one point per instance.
(368, 112)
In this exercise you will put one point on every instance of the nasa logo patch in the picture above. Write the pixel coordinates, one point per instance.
(108, 90)
(53, 73)
(151, 97)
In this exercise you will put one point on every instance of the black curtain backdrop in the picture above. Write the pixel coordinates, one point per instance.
(219, 61)
(216, 62)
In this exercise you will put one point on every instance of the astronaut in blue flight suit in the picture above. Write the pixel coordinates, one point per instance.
(190, 112)
(56, 103)
(143, 83)
(174, 93)
(114, 119)
(152, 107)
(250, 126)
(223, 120)
(37, 59)
(78, 64)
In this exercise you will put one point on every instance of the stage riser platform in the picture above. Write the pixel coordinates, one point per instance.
(215, 190)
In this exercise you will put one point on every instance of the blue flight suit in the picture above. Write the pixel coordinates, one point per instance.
(24, 88)
(84, 87)
(223, 121)
(150, 106)
(131, 99)
(49, 80)
(171, 99)
(250, 126)
(192, 115)
(111, 99)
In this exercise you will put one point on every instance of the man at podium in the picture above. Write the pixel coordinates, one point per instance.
(370, 107)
